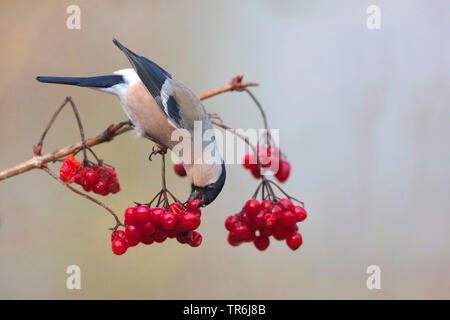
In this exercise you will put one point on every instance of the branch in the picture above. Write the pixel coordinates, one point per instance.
(114, 130)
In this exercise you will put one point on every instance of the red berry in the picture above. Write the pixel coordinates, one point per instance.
(252, 207)
(279, 232)
(294, 240)
(192, 205)
(179, 169)
(169, 220)
(190, 221)
(261, 243)
(143, 214)
(181, 237)
(132, 231)
(233, 240)
(256, 172)
(100, 187)
(266, 205)
(120, 234)
(284, 171)
(111, 172)
(160, 235)
(241, 230)
(132, 242)
(114, 187)
(156, 214)
(258, 221)
(288, 218)
(269, 219)
(91, 176)
(119, 246)
(172, 234)
(131, 216)
(286, 204)
(300, 213)
(147, 239)
(176, 208)
(265, 232)
(277, 211)
(249, 161)
(86, 186)
(148, 228)
(230, 222)
(196, 239)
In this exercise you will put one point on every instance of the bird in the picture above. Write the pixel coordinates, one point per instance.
(160, 108)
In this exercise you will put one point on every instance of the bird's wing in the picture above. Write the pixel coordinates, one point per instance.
(179, 103)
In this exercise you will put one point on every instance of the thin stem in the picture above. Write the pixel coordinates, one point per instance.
(54, 176)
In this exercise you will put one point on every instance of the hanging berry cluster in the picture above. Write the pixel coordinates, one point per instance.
(97, 178)
(271, 159)
(257, 222)
(147, 225)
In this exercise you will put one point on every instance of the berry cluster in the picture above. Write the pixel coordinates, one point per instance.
(270, 160)
(258, 221)
(179, 169)
(147, 225)
(98, 179)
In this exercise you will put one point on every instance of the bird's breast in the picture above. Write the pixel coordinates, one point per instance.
(146, 115)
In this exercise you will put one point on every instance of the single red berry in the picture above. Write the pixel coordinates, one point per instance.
(100, 187)
(131, 216)
(91, 176)
(193, 205)
(261, 243)
(169, 220)
(277, 211)
(143, 214)
(172, 234)
(146, 239)
(256, 172)
(132, 231)
(114, 187)
(230, 222)
(190, 221)
(86, 186)
(288, 218)
(265, 232)
(300, 213)
(258, 220)
(160, 235)
(132, 242)
(181, 237)
(156, 214)
(120, 234)
(148, 228)
(269, 219)
(179, 169)
(252, 207)
(294, 240)
(286, 204)
(266, 205)
(241, 230)
(111, 171)
(249, 161)
(233, 239)
(196, 239)
(278, 232)
(119, 246)
(284, 170)
(176, 208)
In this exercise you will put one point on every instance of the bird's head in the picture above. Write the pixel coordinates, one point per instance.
(207, 193)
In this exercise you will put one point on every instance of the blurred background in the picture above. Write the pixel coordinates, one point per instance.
(363, 116)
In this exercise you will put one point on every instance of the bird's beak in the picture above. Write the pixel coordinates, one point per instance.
(196, 194)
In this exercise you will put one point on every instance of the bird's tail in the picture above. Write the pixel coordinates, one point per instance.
(92, 82)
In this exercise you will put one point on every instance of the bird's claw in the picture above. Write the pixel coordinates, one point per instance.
(157, 150)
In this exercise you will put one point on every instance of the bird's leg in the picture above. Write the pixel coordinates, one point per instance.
(157, 149)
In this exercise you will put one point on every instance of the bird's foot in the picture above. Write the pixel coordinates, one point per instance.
(158, 149)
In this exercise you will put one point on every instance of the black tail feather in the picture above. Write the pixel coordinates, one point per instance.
(93, 82)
